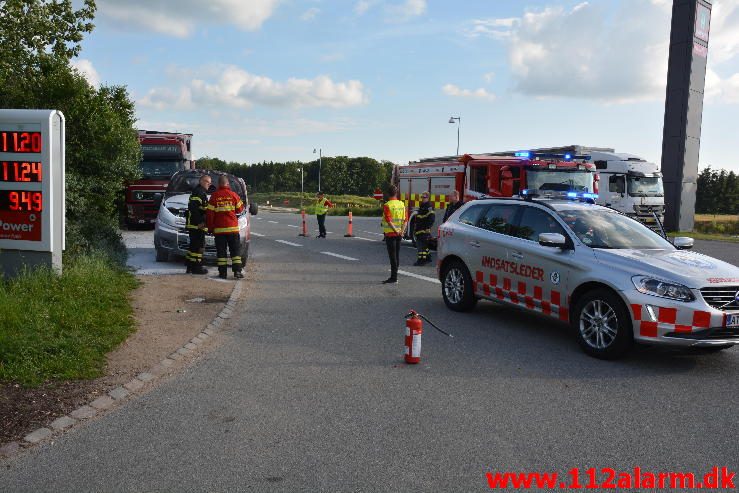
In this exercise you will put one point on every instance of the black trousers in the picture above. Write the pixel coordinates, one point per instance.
(231, 242)
(422, 247)
(321, 224)
(393, 251)
(194, 256)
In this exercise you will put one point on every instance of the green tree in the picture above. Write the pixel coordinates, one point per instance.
(102, 149)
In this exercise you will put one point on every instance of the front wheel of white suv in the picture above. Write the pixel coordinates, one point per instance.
(602, 324)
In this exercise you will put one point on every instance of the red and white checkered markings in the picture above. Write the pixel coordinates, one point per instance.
(674, 320)
(532, 297)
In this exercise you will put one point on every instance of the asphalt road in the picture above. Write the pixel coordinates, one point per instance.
(309, 393)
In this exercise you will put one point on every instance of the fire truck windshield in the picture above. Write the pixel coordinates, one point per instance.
(559, 180)
(645, 186)
(162, 170)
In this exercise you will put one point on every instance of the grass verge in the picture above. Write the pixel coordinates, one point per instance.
(60, 327)
(360, 206)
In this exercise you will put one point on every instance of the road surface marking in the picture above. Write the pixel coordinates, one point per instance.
(372, 233)
(289, 243)
(365, 239)
(257, 234)
(291, 226)
(417, 276)
(273, 222)
(339, 256)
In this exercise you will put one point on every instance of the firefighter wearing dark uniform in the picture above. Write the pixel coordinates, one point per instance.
(423, 223)
(223, 207)
(454, 204)
(196, 226)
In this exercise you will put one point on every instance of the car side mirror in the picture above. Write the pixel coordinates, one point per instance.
(683, 242)
(554, 240)
(253, 208)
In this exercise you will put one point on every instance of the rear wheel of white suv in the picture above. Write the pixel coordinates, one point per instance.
(602, 324)
(456, 287)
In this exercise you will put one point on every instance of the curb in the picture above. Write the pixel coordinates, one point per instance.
(127, 390)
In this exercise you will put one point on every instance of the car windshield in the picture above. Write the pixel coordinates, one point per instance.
(186, 182)
(159, 169)
(603, 228)
(646, 186)
(560, 181)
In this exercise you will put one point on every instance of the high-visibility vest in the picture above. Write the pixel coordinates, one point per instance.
(321, 208)
(397, 213)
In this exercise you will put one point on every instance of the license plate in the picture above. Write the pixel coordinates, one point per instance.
(210, 241)
(732, 319)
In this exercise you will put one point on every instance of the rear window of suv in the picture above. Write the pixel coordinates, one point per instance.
(500, 218)
(186, 182)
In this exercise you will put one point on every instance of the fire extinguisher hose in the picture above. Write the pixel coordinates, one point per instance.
(413, 312)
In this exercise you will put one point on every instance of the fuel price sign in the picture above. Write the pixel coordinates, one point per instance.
(31, 182)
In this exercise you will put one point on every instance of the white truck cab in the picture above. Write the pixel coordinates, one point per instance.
(628, 183)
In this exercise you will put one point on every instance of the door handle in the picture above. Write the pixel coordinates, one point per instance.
(517, 255)
(475, 244)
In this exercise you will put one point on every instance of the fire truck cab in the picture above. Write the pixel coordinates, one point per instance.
(162, 155)
(504, 174)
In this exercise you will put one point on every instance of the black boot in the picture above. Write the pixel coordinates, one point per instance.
(200, 270)
(222, 272)
(238, 275)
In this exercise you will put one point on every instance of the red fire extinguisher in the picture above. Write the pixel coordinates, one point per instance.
(413, 332)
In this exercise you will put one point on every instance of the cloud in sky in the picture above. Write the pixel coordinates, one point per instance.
(179, 18)
(589, 52)
(403, 11)
(85, 68)
(310, 14)
(361, 7)
(235, 87)
(480, 93)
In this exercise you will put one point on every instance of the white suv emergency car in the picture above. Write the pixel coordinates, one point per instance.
(613, 279)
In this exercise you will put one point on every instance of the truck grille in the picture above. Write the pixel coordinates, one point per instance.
(722, 297)
(644, 210)
(183, 243)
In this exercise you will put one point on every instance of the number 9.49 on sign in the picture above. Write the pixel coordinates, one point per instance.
(21, 201)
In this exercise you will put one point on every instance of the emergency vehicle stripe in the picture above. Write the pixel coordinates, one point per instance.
(701, 319)
(636, 311)
(537, 293)
(520, 296)
(648, 329)
(667, 315)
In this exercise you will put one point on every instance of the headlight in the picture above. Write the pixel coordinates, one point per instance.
(663, 289)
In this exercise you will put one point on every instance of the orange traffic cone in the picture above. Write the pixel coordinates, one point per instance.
(349, 230)
(304, 230)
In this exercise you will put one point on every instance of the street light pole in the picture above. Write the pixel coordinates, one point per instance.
(459, 124)
(319, 167)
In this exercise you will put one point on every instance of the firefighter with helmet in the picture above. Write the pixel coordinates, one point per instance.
(195, 226)
(223, 207)
(423, 222)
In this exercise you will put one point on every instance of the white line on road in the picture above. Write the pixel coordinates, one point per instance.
(273, 222)
(372, 233)
(289, 243)
(339, 256)
(257, 234)
(291, 226)
(365, 239)
(417, 276)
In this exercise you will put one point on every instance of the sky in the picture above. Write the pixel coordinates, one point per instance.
(258, 80)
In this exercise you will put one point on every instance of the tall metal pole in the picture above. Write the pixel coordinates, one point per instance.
(459, 124)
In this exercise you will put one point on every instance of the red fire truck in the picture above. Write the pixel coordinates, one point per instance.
(163, 154)
(502, 174)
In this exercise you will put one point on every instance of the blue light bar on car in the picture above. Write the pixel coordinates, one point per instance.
(523, 154)
(572, 195)
(568, 157)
